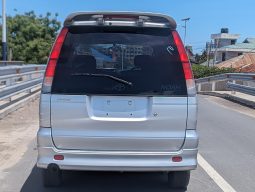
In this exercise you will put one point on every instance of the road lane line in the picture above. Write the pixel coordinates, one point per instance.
(217, 178)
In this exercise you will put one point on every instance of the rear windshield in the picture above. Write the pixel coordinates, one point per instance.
(119, 61)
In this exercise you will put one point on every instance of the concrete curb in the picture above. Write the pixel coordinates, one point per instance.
(245, 102)
(21, 103)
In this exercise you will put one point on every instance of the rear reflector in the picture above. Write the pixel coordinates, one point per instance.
(58, 157)
(177, 159)
(50, 70)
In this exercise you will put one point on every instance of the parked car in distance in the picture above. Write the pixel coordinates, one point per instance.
(118, 95)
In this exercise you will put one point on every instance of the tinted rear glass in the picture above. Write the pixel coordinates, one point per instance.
(119, 61)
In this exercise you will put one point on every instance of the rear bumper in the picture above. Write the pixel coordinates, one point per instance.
(117, 160)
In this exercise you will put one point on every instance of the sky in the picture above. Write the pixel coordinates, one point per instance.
(207, 16)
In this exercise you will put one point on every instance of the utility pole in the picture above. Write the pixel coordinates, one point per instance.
(209, 54)
(216, 51)
(4, 42)
(185, 28)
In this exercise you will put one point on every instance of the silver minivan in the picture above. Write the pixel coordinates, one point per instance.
(118, 95)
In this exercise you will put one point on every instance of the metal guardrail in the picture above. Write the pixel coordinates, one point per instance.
(241, 88)
(229, 79)
(11, 70)
(228, 76)
(6, 63)
(15, 80)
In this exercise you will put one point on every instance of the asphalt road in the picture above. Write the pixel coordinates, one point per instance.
(227, 140)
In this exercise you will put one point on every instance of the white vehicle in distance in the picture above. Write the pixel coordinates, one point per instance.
(118, 95)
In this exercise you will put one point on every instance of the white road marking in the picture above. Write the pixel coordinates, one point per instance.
(217, 178)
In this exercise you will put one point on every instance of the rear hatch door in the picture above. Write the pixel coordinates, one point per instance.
(119, 88)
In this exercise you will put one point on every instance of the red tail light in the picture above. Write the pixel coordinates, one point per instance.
(187, 71)
(50, 70)
(191, 87)
(183, 56)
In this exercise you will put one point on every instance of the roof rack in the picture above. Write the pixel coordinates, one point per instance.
(136, 19)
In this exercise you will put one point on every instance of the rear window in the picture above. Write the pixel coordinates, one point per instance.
(119, 61)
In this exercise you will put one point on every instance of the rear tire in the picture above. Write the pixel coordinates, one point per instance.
(52, 176)
(179, 179)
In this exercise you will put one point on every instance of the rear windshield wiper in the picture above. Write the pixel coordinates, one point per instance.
(104, 75)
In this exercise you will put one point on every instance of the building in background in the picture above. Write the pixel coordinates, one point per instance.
(219, 41)
(244, 63)
(228, 52)
(224, 46)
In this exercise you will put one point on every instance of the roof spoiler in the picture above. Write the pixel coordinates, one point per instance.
(120, 19)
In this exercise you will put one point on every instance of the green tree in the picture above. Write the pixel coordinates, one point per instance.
(30, 37)
(201, 58)
(201, 71)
